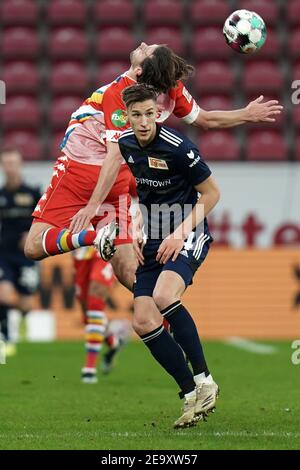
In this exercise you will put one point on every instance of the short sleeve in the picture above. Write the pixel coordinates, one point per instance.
(186, 107)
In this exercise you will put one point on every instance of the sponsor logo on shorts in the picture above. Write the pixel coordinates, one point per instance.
(118, 118)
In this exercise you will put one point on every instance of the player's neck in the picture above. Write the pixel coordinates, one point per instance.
(131, 74)
(13, 182)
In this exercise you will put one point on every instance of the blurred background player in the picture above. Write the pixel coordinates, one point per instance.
(18, 275)
(94, 279)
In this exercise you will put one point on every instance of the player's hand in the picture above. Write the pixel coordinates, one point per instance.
(138, 245)
(259, 111)
(82, 219)
(170, 247)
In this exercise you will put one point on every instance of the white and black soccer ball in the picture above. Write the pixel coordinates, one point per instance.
(245, 31)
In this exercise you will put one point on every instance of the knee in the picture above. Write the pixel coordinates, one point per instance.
(29, 250)
(33, 248)
(125, 272)
(162, 299)
(144, 326)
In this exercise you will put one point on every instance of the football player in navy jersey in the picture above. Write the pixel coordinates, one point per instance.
(176, 192)
(18, 275)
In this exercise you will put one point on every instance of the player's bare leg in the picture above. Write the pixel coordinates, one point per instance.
(34, 246)
(124, 264)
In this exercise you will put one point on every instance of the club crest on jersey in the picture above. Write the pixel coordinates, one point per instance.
(157, 164)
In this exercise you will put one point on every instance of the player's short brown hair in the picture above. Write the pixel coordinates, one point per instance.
(138, 93)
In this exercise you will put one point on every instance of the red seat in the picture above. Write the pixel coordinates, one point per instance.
(209, 43)
(219, 145)
(115, 42)
(68, 77)
(265, 8)
(21, 112)
(112, 12)
(214, 77)
(266, 145)
(163, 12)
(28, 142)
(68, 42)
(175, 123)
(262, 77)
(55, 141)
(293, 45)
(296, 116)
(293, 12)
(61, 110)
(19, 42)
(297, 148)
(19, 12)
(216, 102)
(20, 77)
(166, 35)
(66, 12)
(209, 12)
(109, 71)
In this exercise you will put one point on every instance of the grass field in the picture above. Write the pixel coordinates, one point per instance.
(43, 405)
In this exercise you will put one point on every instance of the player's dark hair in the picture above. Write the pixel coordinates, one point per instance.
(163, 68)
(138, 93)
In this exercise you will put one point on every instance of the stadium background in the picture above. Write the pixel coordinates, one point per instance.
(54, 53)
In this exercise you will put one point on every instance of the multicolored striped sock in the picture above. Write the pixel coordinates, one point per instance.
(56, 240)
(94, 336)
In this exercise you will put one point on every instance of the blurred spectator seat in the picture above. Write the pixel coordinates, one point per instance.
(61, 110)
(267, 9)
(115, 42)
(68, 43)
(171, 36)
(20, 77)
(28, 142)
(19, 12)
(112, 12)
(20, 112)
(297, 148)
(175, 123)
(209, 43)
(262, 77)
(55, 141)
(163, 12)
(109, 71)
(19, 42)
(209, 12)
(215, 102)
(293, 12)
(66, 12)
(219, 145)
(214, 77)
(296, 115)
(68, 77)
(266, 145)
(293, 44)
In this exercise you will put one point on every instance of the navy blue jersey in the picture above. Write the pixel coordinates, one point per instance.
(16, 207)
(166, 172)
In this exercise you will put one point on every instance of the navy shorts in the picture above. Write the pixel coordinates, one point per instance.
(188, 261)
(20, 271)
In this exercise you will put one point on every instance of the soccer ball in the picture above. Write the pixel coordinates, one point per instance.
(245, 31)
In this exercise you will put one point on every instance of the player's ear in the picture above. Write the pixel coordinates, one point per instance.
(138, 71)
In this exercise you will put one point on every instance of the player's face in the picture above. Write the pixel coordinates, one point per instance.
(142, 118)
(143, 51)
(11, 163)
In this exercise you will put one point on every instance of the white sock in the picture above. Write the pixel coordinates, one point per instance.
(190, 394)
(200, 378)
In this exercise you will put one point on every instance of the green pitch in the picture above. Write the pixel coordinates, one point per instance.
(43, 405)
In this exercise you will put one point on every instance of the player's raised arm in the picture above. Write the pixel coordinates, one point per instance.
(256, 111)
(107, 177)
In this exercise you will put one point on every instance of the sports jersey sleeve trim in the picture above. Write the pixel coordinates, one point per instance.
(192, 116)
(113, 135)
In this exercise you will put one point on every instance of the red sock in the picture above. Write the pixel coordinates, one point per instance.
(57, 240)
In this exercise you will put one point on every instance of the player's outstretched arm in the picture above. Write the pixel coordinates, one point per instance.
(256, 111)
(107, 177)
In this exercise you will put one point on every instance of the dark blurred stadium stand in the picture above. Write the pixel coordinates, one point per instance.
(53, 54)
